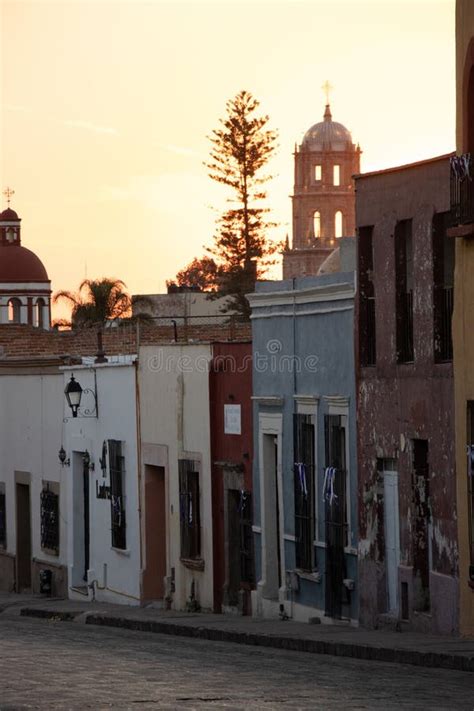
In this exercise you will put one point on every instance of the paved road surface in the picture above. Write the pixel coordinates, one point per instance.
(66, 665)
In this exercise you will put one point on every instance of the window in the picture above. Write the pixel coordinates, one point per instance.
(14, 311)
(443, 281)
(317, 224)
(49, 515)
(367, 330)
(241, 503)
(404, 290)
(117, 496)
(3, 517)
(303, 448)
(470, 480)
(39, 316)
(189, 509)
(317, 173)
(338, 224)
(337, 175)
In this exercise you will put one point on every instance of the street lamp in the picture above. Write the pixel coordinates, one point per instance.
(73, 393)
(65, 462)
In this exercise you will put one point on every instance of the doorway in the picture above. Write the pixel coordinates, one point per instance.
(421, 527)
(81, 522)
(272, 574)
(392, 538)
(23, 538)
(155, 533)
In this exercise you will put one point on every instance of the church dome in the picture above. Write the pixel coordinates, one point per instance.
(327, 135)
(9, 215)
(21, 265)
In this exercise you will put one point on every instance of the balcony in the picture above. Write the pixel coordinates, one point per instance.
(462, 191)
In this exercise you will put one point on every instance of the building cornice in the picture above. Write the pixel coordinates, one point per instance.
(313, 295)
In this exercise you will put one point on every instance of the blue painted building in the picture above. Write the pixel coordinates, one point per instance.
(305, 463)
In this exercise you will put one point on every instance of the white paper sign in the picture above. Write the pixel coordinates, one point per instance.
(232, 419)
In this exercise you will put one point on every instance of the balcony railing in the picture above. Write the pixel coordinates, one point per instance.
(462, 189)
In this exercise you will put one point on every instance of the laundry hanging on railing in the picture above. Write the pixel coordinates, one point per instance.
(301, 470)
(328, 486)
(470, 459)
(461, 166)
(244, 495)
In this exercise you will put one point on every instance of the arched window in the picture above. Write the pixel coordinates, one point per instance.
(317, 224)
(338, 224)
(14, 311)
(39, 315)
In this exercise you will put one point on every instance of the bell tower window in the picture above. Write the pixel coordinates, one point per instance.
(39, 316)
(317, 224)
(337, 175)
(338, 224)
(14, 311)
(11, 235)
(317, 173)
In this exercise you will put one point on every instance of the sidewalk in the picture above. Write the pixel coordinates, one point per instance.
(339, 640)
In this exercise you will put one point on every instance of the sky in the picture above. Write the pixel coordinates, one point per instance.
(106, 106)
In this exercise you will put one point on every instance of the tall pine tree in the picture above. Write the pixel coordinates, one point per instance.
(241, 148)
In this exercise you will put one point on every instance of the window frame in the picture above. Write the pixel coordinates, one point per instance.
(49, 518)
(189, 509)
(304, 453)
(118, 519)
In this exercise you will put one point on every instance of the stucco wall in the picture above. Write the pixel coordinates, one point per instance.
(116, 572)
(174, 414)
(399, 403)
(30, 437)
(303, 346)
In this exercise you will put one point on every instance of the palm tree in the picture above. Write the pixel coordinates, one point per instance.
(96, 302)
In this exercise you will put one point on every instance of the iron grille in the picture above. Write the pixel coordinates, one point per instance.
(335, 507)
(462, 190)
(50, 520)
(117, 497)
(303, 490)
(189, 510)
(3, 520)
(246, 538)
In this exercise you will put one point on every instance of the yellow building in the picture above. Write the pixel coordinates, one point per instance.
(462, 202)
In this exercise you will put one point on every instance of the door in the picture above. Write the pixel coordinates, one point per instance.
(86, 495)
(23, 538)
(421, 527)
(155, 533)
(392, 538)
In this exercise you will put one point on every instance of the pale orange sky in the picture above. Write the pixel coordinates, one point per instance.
(106, 106)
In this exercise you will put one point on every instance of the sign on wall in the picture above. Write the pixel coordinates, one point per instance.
(232, 419)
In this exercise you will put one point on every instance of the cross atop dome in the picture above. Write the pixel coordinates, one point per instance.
(327, 88)
(8, 192)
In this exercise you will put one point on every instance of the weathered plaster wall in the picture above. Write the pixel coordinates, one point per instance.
(463, 333)
(399, 403)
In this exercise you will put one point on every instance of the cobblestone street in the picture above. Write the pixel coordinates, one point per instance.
(65, 665)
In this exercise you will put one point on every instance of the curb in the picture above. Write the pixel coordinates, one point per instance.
(295, 644)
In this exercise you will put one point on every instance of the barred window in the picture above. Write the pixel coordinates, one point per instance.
(189, 512)
(49, 519)
(303, 486)
(3, 517)
(117, 496)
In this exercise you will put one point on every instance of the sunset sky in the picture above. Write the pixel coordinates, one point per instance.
(105, 108)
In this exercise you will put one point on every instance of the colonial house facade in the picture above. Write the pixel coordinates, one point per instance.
(305, 464)
(408, 549)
